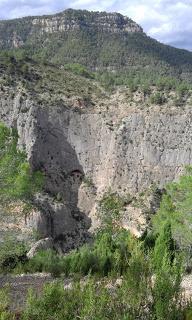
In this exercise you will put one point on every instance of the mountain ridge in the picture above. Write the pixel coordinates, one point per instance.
(82, 16)
(100, 41)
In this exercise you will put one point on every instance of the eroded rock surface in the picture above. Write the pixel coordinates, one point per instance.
(87, 151)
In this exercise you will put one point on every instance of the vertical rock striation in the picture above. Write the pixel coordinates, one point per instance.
(125, 150)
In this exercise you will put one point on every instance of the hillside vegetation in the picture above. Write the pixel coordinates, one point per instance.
(75, 85)
(80, 37)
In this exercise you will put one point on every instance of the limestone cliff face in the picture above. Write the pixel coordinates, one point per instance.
(107, 22)
(121, 147)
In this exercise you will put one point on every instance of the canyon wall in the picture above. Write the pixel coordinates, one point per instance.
(85, 152)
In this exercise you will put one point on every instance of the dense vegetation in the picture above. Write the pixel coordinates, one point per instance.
(149, 287)
(127, 278)
(75, 84)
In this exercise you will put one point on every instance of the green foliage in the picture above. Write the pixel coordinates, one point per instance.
(109, 253)
(157, 98)
(145, 81)
(136, 287)
(95, 48)
(79, 70)
(111, 206)
(149, 287)
(12, 252)
(175, 209)
(88, 181)
(183, 89)
(4, 303)
(168, 273)
(45, 261)
(164, 247)
(166, 292)
(17, 182)
(137, 297)
(88, 302)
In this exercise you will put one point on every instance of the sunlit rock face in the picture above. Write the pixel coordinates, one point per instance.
(67, 21)
(86, 152)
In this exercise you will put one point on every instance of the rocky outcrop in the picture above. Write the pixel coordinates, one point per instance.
(85, 152)
(41, 245)
(69, 20)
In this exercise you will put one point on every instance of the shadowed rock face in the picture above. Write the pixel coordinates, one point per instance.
(121, 148)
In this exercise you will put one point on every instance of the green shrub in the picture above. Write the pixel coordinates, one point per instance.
(157, 98)
(17, 181)
(182, 89)
(164, 247)
(132, 85)
(167, 268)
(4, 303)
(12, 253)
(109, 253)
(146, 89)
(110, 211)
(175, 209)
(79, 70)
(135, 298)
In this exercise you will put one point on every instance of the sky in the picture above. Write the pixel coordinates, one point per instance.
(169, 21)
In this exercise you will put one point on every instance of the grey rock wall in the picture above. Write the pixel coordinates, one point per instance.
(122, 148)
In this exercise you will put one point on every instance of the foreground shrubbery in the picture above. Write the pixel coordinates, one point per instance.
(109, 253)
(151, 268)
(146, 290)
(133, 299)
(150, 287)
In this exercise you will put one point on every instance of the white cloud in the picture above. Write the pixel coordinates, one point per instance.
(166, 20)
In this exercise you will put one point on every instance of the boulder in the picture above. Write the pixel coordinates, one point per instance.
(43, 244)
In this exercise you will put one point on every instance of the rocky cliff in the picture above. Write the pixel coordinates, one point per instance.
(113, 143)
(70, 21)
